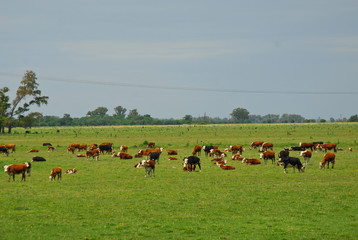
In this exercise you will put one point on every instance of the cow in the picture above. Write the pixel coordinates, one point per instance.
(107, 143)
(18, 169)
(154, 156)
(122, 155)
(75, 146)
(292, 162)
(216, 152)
(207, 149)
(251, 161)
(236, 149)
(71, 150)
(80, 155)
(309, 145)
(350, 149)
(172, 152)
(46, 144)
(33, 150)
(10, 146)
(220, 162)
(328, 158)
(172, 158)
(265, 146)
(189, 168)
(268, 155)
(105, 148)
(192, 161)
(71, 171)
(83, 147)
(139, 165)
(237, 157)
(327, 146)
(56, 172)
(220, 158)
(283, 154)
(306, 156)
(4, 151)
(197, 150)
(123, 148)
(149, 166)
(226, 167)
(92, 147)
(151, 144)
(93, 154)
(255, 144)
(295, 149)
(38, 159)
(50, 149)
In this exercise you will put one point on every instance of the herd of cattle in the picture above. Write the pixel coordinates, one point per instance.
(152, 155)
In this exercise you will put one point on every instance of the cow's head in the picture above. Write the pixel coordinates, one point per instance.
(321, 165)
(28, 170)
(244, 160)
(185, 162)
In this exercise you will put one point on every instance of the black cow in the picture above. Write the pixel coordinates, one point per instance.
(4, 151)
(105, 148)
(207, 149)
(292, 162)
(192, 161)
(296, 149)
(46, 144)
(38, 159)
(154, 156)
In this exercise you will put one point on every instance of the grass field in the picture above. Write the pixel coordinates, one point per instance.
(110, 199)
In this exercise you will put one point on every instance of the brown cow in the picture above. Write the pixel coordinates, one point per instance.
(306, 145)
(83, 147)
(50, 149)
(75, 146)
(172, 158)
(123, 148)
(197, 150)
(265, 146)
(327, 146)
(172, 152)
(237, 157)
(122, 155)
(225, 167)
(33, 150)
(256, 144)
(56, 172)
(268, 155)
(80, 155)
(149, 166)
(306, 156)
(93, 154)
(71, 171)
(251, 161)
(18, 169)
(237, 149)
(151, 144)
(10, 146)
(327, 158)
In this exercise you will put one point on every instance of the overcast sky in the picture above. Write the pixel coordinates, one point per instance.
(172, 58)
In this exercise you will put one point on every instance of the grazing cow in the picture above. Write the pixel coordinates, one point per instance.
(75, 146)
(71, 171)
(192, 161)
(306, 156)
(296, 149)
(56, 172)
(327, 146)
(105, 148)
(92, 147)
(149, 166)
(265, 146)
(18, 169)
(33, 150)
(283, 154)
(154, 156)
(93, 154)
(237, 157)
(151, 144)
(71, 150)
(80, 155)
(172, 158)
(83, 147)
(4, 151)
(10, 146)
(307, 145)
(292, 162)
(123, 148)
(122, 155)
(107, 143)
(38, 159)
(350, 150)
(197, 150)
(268, 155)
(50, 149)
(207, 149)
(46, 144)
(256, 144)
(236, 149)
(327, 158)
(251, 161)
(172, 152)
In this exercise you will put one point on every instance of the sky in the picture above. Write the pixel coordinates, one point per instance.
(169, 59)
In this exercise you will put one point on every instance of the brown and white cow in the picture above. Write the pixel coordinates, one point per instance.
(255, 144)
(93, 154)
(123, 148)
(122, 155)
(82, 147)
(14, 169)
(197, 150)
(251, 161)
(10, 147)
(33, 150)
(151, 144)
(268, 155)
(172, 158)
(237, 149)
(309, 145)
(75, 146)
(226, 167)
(149, 166)
(328, 158)
(265, 146)
(50, 149)
(327, 146)
(237, 157)
(80, 155)
(306, 156)
(172, 152)
(71, 150)
(71, 171)
(56, 172)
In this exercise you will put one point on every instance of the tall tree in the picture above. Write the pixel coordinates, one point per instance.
(27, 90)
(240, 114)
(4, 106)
(100, 111)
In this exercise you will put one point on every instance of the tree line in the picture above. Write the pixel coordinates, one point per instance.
(13, 113)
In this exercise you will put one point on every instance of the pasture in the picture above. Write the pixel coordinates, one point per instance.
(110, 199)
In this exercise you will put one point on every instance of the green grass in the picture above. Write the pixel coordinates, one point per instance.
(110, 199)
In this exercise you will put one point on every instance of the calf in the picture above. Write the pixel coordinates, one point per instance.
(189, 168)
(172, 152)
(192, 161)
(56, 172)
(225, 167)
(33, 150)
(256, 144)
(265, 146)
(251, 161)
(38, 159)
(18, 169)
(80, 155)
(50, 149)
(71, 150)
(327, 158)
(292, 162)
(122, 155)
(93, 154)
(306, 156)
(71, 171)
(197, 150)
(149, 166)
(123, 148)
(268, 155)
(237, 149)
(4, 151)
(207, 149)
(172, 158)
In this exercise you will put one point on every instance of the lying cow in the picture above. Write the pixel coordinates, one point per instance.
(38, 159)
(18, 169)
(292, 162)
(71, 171)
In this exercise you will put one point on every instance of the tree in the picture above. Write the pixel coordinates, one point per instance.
(27, 89)
(133, 114)
(120, 111)
(353, 118)
(188, 118)
(29, 120)
(4, 106)
(240, 114)
(100, 111)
